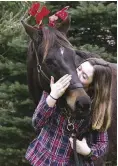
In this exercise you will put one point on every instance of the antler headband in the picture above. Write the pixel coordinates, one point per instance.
(39, 15)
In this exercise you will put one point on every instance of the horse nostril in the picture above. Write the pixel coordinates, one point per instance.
(82, 106)
(83, 100)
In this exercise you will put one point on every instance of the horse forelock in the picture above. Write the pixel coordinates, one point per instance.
(53, 38)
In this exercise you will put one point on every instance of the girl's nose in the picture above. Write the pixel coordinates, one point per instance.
(79, 74)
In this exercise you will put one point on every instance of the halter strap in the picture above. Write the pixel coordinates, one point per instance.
(39, 69)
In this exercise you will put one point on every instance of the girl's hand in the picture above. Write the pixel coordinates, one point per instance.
(59, 88)
(81, 146)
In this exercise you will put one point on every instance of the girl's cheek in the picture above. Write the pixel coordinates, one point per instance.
(84, 82)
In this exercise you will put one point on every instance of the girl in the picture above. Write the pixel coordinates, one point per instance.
(54, 146)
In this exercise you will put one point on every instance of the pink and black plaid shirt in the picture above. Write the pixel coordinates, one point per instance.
(52, 146)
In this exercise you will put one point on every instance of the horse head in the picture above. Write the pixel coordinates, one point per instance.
(56, 57)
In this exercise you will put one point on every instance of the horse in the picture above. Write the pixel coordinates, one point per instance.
(50, 53)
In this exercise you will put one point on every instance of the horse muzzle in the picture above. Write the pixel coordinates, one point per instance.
(75, 86)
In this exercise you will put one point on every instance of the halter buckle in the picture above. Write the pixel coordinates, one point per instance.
(39, 68)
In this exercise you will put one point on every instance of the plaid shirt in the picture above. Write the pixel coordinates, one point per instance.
(52, 146)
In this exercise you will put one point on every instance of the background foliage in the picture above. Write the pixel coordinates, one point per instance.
(93, 29)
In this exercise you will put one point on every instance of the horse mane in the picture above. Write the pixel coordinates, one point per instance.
(52, 37)
(86, 55)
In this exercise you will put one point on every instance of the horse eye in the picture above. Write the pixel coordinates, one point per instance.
(49, 61)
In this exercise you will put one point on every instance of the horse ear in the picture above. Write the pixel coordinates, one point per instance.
(32, 32)
(64, 26)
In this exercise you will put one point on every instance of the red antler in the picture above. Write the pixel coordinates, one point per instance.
(40, 15)
(34, 8)
(60, 14)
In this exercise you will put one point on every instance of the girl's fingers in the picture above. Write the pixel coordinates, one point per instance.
(66, 86)
(64, 83)
(71, 139)
(52, 80)
(71, 142)
(66, 80)
(84, 140)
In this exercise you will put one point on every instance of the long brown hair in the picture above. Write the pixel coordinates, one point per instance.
(100, 90)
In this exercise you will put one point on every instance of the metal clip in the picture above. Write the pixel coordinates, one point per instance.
(39, 68)
(70, 126)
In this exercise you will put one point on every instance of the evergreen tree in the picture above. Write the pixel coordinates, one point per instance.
(16, 105)
(93, 29)
(92, 24)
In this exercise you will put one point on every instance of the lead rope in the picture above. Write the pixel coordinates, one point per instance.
(78, 159)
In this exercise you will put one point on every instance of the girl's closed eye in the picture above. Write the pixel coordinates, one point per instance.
(84, 77)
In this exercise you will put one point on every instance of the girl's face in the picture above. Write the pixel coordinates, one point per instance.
(85, 73)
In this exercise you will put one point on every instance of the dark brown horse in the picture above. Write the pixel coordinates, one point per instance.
(51, 51)
(56, 56)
